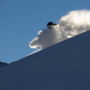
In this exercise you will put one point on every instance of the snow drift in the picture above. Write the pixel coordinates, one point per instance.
(72, 24)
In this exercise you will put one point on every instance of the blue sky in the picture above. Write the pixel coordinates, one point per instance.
(20, 21)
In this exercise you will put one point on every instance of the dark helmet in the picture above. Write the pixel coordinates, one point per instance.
(50, 24)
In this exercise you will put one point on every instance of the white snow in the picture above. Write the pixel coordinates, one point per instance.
(72, 24)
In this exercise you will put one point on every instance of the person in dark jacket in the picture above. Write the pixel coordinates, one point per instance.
(50, 24)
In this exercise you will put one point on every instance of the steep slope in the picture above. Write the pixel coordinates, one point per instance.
(64, 66)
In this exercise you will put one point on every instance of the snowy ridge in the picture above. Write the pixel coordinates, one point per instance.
(64, 66)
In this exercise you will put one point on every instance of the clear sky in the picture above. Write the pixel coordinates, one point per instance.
(20, 21)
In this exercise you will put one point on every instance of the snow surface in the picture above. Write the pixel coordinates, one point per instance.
(2, 65)
(64, 66)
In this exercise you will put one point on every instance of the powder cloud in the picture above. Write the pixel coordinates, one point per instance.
(72, 24)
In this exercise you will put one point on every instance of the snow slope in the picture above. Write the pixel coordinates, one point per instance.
(64, 66)
(2, 64)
